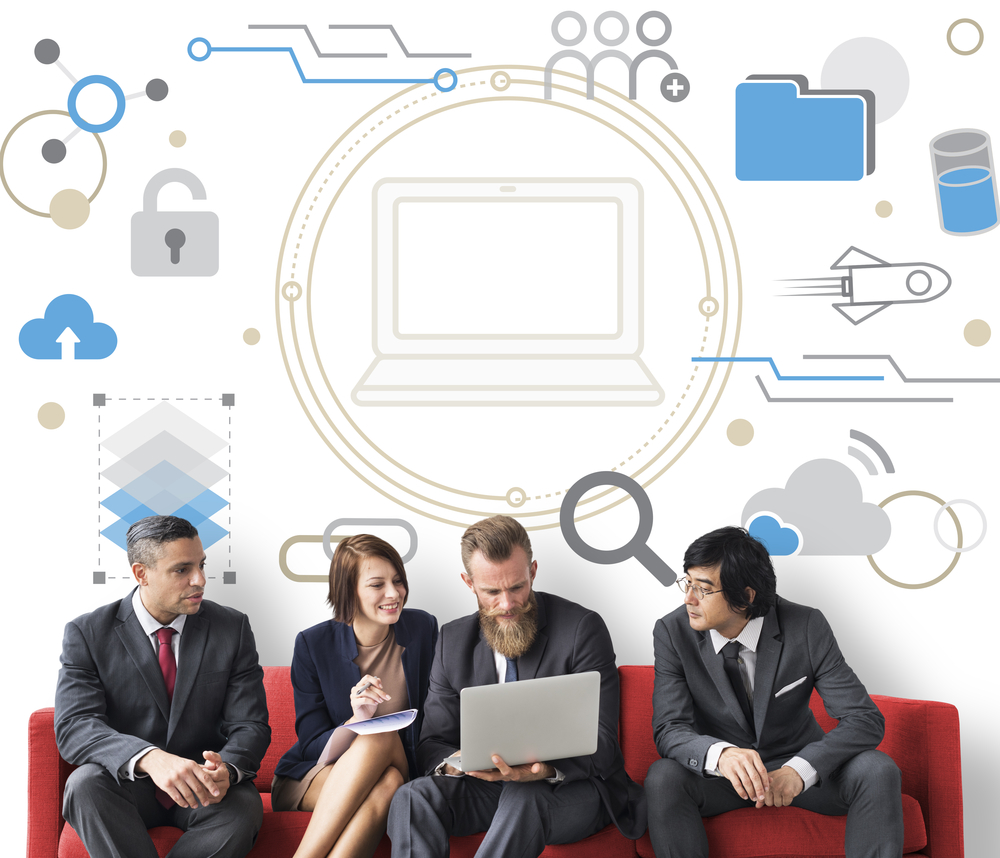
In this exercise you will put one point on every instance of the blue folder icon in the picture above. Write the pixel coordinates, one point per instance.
(786, 132)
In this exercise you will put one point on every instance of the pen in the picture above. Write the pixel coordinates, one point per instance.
(364, 687)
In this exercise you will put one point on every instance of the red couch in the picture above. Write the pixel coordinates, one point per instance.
(921, 736)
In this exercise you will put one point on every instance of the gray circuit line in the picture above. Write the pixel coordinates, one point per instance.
(770, 398)
(312, 41)
(899, 372)
(395, 35)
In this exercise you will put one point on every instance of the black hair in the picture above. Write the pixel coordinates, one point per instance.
(743, 562)
(146, 536)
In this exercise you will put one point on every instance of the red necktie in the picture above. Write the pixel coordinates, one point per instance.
(168, 667)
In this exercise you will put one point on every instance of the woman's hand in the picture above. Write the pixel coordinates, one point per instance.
(364, 701)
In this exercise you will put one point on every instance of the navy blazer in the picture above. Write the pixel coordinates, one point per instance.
(323, 673)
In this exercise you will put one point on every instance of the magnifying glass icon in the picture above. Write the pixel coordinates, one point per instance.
(636, 547)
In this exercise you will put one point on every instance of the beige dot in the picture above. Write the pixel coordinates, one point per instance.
(177, 139)
(977, 333)
(51, 415)
(740, 432)
(251, 336)
(69, 209)
(883, 208)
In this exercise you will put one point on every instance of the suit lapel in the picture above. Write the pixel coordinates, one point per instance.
(528, 664)
(768, 653)
(140, 650)
(713, 664)
(484, 668)
(192, 648)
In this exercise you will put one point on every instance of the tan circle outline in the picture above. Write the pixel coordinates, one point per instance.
(958, 530)
(495, 85)
(3, 151)
(979, 44)
(708, 306)
(513, 491)
(291, 291)
(728, 267)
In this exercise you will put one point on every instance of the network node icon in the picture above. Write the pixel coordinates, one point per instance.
(69, 208)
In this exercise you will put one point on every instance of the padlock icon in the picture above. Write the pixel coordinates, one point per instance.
(174, 244)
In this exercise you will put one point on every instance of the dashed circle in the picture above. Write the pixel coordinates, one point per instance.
(640, 28)
(3, 151)
(883, 208)
(620, 18)
(948, 507)
(251, 336)
(69, 209)
(500, 81)
(979, 29)
(915, 287)
(977, 333)
(517, 496)
(96, 80)
(562, 16)
(291, 291)
(177, 139)
(958, 529)
(51, 415)
(708, 306)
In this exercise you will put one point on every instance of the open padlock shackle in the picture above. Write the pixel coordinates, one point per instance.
(165, 177)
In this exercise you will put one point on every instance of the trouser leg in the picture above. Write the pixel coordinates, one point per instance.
(427, 811)
(867, 788)
(677, 799)
(532, 815)
(224, 830)
(111, 818)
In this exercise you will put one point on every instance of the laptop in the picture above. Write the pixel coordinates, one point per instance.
(490, 291)
(529, 721)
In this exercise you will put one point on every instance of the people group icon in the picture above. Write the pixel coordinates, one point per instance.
(674, 86)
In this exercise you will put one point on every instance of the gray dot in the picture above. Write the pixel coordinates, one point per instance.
(156, 89)
(53, 151)
(46, 52)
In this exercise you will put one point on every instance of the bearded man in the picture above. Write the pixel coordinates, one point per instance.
(516, 634)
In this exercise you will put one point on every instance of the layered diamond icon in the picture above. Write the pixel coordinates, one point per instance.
(164, 468)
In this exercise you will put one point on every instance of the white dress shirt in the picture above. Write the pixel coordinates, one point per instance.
(748, 639)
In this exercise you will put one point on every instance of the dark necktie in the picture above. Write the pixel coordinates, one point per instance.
(738, 678)
(168, 667)
(511, 673)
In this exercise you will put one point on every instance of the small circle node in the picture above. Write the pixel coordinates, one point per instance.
(251, 336)
(951, 29)
(883, 208)
(437, 80)
(291, 291)
(740, 432)
(516, 496)
(177, 139)
(157, 89)
(977, 332)
(51, 415)
(69, 209)
(47, 52)
(708, 306)
(500, 81)
(74, 94)
(199, 57)
(53, 150)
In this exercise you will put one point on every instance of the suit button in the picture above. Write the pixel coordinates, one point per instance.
(693, 763)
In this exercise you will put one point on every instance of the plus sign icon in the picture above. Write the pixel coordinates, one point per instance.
(675, 87)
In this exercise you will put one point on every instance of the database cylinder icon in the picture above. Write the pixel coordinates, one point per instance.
(965, 185)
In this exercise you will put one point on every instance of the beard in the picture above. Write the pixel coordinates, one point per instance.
(511, 638)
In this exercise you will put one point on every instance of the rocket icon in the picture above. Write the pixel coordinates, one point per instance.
(871, 284)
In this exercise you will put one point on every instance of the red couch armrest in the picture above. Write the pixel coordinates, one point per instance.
(47, 773)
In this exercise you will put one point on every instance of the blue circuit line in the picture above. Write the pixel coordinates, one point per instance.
(211, 49)
(781, 377)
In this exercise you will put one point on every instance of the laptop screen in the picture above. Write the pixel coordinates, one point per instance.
(535, 267)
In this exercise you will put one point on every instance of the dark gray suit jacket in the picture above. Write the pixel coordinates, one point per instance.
(111, 701)
(694, 705)
(571, 639)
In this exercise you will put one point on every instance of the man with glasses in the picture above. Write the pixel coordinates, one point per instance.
(735, 667)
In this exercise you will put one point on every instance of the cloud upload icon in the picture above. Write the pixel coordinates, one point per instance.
(68, 330)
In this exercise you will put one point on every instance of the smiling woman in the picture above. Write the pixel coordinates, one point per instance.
(373, 658)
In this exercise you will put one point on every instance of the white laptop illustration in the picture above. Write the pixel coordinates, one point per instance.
(521, 291)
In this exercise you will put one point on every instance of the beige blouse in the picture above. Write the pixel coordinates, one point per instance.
(385, 660)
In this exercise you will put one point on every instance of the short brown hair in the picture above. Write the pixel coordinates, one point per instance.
(346, 566)
(496, 537)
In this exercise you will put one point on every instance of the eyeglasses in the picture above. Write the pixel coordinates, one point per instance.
(699, 592)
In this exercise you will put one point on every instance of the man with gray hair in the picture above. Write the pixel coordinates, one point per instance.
(516, 634)
(160, 702)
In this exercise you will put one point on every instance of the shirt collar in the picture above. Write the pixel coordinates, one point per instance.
(748, 637)
(150, 625)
